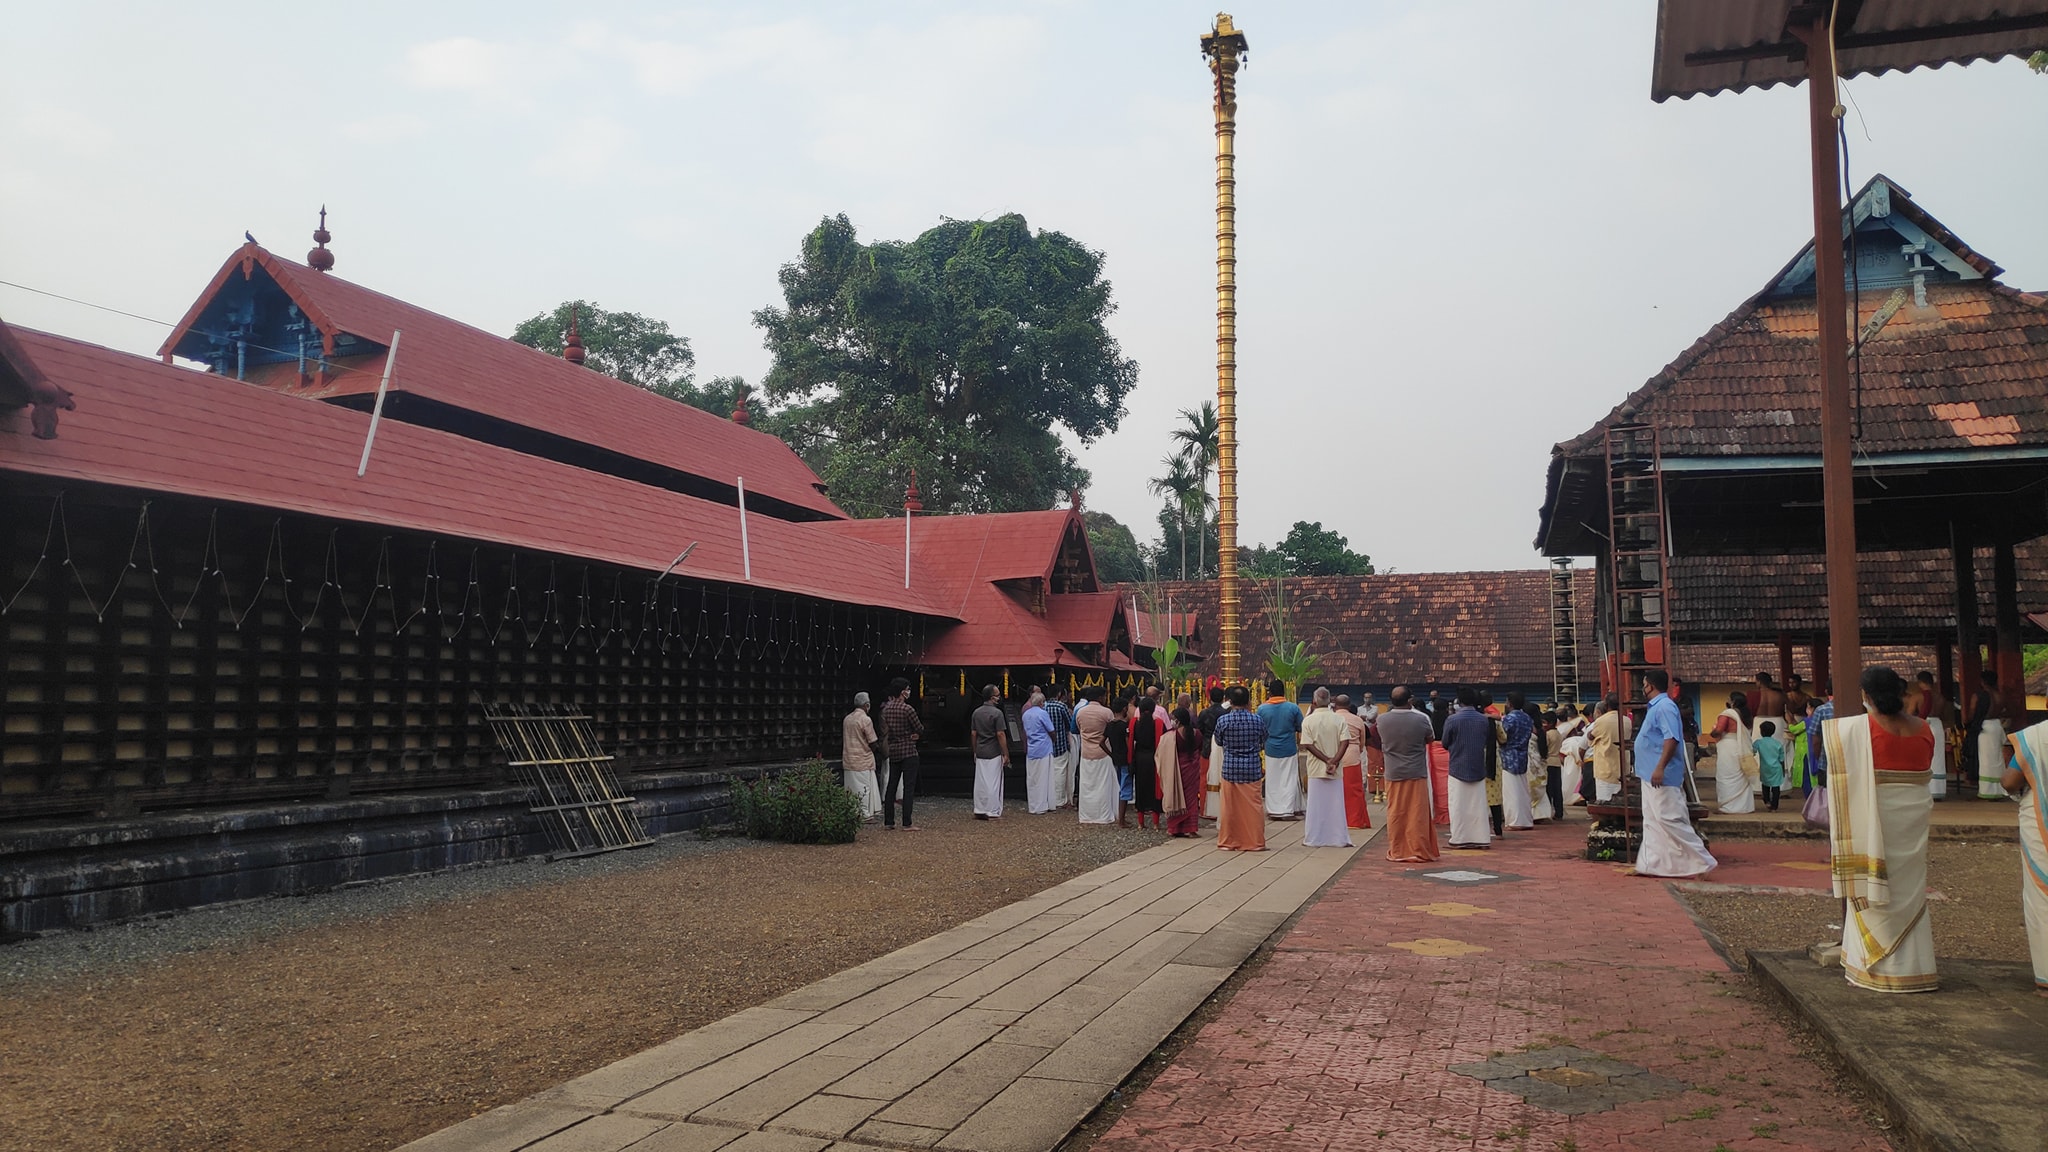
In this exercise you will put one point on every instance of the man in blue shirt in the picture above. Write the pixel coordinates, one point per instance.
(1671, 846)
(1065, 748)
(1285, 797)
(1038, 764)
(1241, 826)
(1468, 734)
(1516, 803)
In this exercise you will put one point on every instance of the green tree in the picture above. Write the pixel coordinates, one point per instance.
(1182, 486)
(623, 345)
(1198, 436)
(1118, 557)
(1204, 534)
(960, 353)
(1309, 549)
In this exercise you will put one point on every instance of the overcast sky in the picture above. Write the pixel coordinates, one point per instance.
(1465, 232)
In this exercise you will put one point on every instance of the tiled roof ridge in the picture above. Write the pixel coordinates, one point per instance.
(1665, 378)
(2036, 300)
(305, 285)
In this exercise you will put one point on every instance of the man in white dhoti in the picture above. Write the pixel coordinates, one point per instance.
(1038, 758)
(1671, 846)
(991, 754)
(1878, 808)
(1610, 733)
(1467, 734)
(1324, 738)
(858, 744)
(1284, 797)
(1066, 751)
(1514, 766)
(1097, 798)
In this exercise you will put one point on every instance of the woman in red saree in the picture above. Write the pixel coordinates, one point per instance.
(1185, 777)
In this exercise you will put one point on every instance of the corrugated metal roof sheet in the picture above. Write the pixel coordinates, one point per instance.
(145, 425)
(1742, 44)
(451, 362)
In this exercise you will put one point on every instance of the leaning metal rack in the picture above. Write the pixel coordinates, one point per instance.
(575, 793)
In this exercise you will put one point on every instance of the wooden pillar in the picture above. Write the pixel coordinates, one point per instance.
(1784, 660)
(1945, 669)
(2005, 599)
(1838, 481)
(1963, 553)
(1823, 671)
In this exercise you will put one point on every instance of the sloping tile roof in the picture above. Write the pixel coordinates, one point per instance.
(1970, 372)
(1424, 627)
(1182, 625)
(951, 554)
(145, 425)
(456, 364)
(1082, 617)
(998, 630)
(958, 562)
(1906, 596)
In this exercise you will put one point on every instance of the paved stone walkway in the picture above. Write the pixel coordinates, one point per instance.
(1520, 999)
(998, 1036)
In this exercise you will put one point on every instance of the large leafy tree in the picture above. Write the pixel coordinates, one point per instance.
(961, 353)
(623, 345)
(1201, 535)
(1119, 558)
(1308, 549)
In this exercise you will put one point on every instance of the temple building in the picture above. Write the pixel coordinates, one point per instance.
(221, 593)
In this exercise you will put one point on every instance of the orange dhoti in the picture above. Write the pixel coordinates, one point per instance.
(1440, 782)
(1355, 813)
(1242, 825)
(1411, 838)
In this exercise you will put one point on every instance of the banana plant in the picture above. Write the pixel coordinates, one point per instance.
(1290, 661)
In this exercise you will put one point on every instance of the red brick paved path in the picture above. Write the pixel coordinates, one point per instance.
(1343, 1040)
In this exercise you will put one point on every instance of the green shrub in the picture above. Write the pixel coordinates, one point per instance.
(804, 805)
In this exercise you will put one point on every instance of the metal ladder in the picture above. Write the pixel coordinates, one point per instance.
(1564, 632)
(1638, 581)
(574, 791)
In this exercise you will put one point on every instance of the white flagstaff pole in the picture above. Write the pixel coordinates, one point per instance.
(746, 555)
(377, 410)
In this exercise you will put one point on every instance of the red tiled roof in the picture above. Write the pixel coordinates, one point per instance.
(1182, 625)
(145, 425)
(456, 364)
(958, 561)
(950, 553)
(998, 630)
(1082, 617)
(1442, 627)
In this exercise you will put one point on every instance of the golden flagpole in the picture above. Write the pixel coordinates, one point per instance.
(1225, 47)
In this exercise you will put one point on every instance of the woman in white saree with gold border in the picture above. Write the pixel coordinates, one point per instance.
(1877, 838)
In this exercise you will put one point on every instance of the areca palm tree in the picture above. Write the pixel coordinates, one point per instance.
(1180, 485)
(1197, 436)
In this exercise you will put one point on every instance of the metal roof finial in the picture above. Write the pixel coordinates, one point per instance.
(911, 500)
(320, 259)
(740, 415)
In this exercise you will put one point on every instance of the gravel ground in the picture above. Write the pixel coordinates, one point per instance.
(366, 1018)
(1978, 917)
